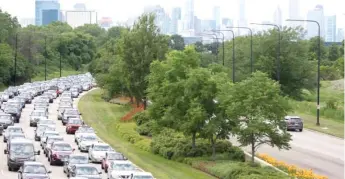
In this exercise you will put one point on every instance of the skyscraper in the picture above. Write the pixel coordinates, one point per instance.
(242, 21)
(216, 16)
(331, 28)
(189, 15)
(294, 13)
(340, 35)
(162, 19)
(317, 15)
(175, 17)
(80, 16)
(277, 17)
(47, 10)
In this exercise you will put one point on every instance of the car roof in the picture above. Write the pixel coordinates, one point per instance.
(290, 117)
(121, 162)
(85, 165)
(62, 142)
(84, 155)
(17, 134)
(33, 163)
(52, 132)
(143, 173)
(21, 140)
(101, 144)
(55, 137)
(14, 127)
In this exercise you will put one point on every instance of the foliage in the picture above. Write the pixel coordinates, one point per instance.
(292, 170)
(261, 110)
(176, 42)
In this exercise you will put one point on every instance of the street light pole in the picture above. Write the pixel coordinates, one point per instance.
(233, 53)
(15, 60)
(318, 67)
(278, 49)
(222, 44)
(251, 45)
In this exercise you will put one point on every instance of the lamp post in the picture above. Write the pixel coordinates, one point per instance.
(318, 67)
(251, 45)
(233, 52)
(15, 60)
(278, 49)
(217, 31)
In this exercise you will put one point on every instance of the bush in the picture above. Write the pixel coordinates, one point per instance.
(236, 154)
(141, 118)
(331, 103)
(145, 129)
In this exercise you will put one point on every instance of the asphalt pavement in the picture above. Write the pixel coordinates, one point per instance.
(322, 153)
(57, 171)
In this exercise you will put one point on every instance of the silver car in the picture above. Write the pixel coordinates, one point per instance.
(12, 129)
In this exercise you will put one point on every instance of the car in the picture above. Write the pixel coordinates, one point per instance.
(81, 131)
(33, 170)
(61, 109)
(47, 122)
(84, 170)
(109, 157)
(59, 152)
(40, 129)
(73, 124)
(75, 93)
(12, 129)
(49, 141)
(86, 140)
(141, 175)
(69, 113)
(45, 135)
(6, 120)
(97, 152)
(294, 123)
(37, 115)
(15, 136)
(15, 111)
(74, 159)
(117, 166)
(19, 151)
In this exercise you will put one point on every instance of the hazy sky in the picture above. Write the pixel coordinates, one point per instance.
(256, 10)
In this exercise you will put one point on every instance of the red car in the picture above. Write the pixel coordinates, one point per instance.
(73, 125)
(111, 156)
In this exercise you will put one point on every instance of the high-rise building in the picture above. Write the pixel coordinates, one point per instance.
(197, 25)
(162, 20)
(242, 21)
(105, 22)
(49, 10)
(208, 25)
(317, 15)
(331, 28)
(294, 13)
(277, 17)
(26, 22)
(175, 17)
(189, 15)
(340, 35)
(226, 22)
(80, 16)
(216, 17)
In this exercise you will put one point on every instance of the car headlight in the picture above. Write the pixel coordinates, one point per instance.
(32, 158)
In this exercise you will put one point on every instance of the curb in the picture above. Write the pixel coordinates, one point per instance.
(321, 133)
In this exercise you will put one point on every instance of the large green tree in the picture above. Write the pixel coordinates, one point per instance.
(176, 42)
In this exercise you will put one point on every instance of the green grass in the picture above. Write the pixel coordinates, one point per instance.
(332, 120)
(56, 74)
(102, 115)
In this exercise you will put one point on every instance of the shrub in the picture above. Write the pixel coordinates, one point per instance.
(127, 132)
(141, 118)
(144, 129)
(331, 103)
(236, 154)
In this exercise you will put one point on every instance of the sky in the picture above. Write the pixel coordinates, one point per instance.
(256, 10)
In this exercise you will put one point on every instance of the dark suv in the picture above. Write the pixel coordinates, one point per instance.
(294, 123)
(19, 151)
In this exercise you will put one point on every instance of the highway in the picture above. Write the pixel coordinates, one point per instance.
(322, 153)
(57, 171)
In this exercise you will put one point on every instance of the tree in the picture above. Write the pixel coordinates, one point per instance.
(176, 42)
(6, 60)
(333, 52)
(138, 48)
(257, 102)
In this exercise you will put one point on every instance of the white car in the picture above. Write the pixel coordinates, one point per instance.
(48, 122)
(86, 141)
(12, 129)
(117, 167)
(97, 151)
(141, 175)
(45, 135)
(82, 131)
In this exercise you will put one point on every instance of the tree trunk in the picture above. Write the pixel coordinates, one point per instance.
(138, 102)
(132, 101)
(253, 149)
(213, 142)
(193, 140)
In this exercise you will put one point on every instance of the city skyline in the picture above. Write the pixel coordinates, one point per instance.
(203, 9)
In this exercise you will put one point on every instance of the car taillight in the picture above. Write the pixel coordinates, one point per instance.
(55, 156)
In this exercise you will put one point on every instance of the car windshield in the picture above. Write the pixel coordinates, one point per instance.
(51, 140)
(50, 134)
(22, 149)
(38, 113)
(47, 122)
(4, 117)
(78, 160)
(86, 171)
(89, 138)
(123, 166)
(296, 120)
(86, 130)
(45, 128)
(115, 156)
(14, 130)
(16, 136)
(142, 177)
(74, 121)
(65, 103)
(102, 148)
(62, 147)
(72, 112)
(35, 169)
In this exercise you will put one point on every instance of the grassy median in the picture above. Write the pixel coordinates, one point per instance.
(100, 115)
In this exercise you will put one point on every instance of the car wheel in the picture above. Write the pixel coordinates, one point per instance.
(9, 168)
(31, 125)
(102, 166)
(301, 130)
(51, 163)
(106, 170)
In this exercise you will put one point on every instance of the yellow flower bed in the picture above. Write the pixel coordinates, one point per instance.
(292, 170)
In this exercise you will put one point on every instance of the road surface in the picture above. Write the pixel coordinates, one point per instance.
(322, 153)
(57, 171)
